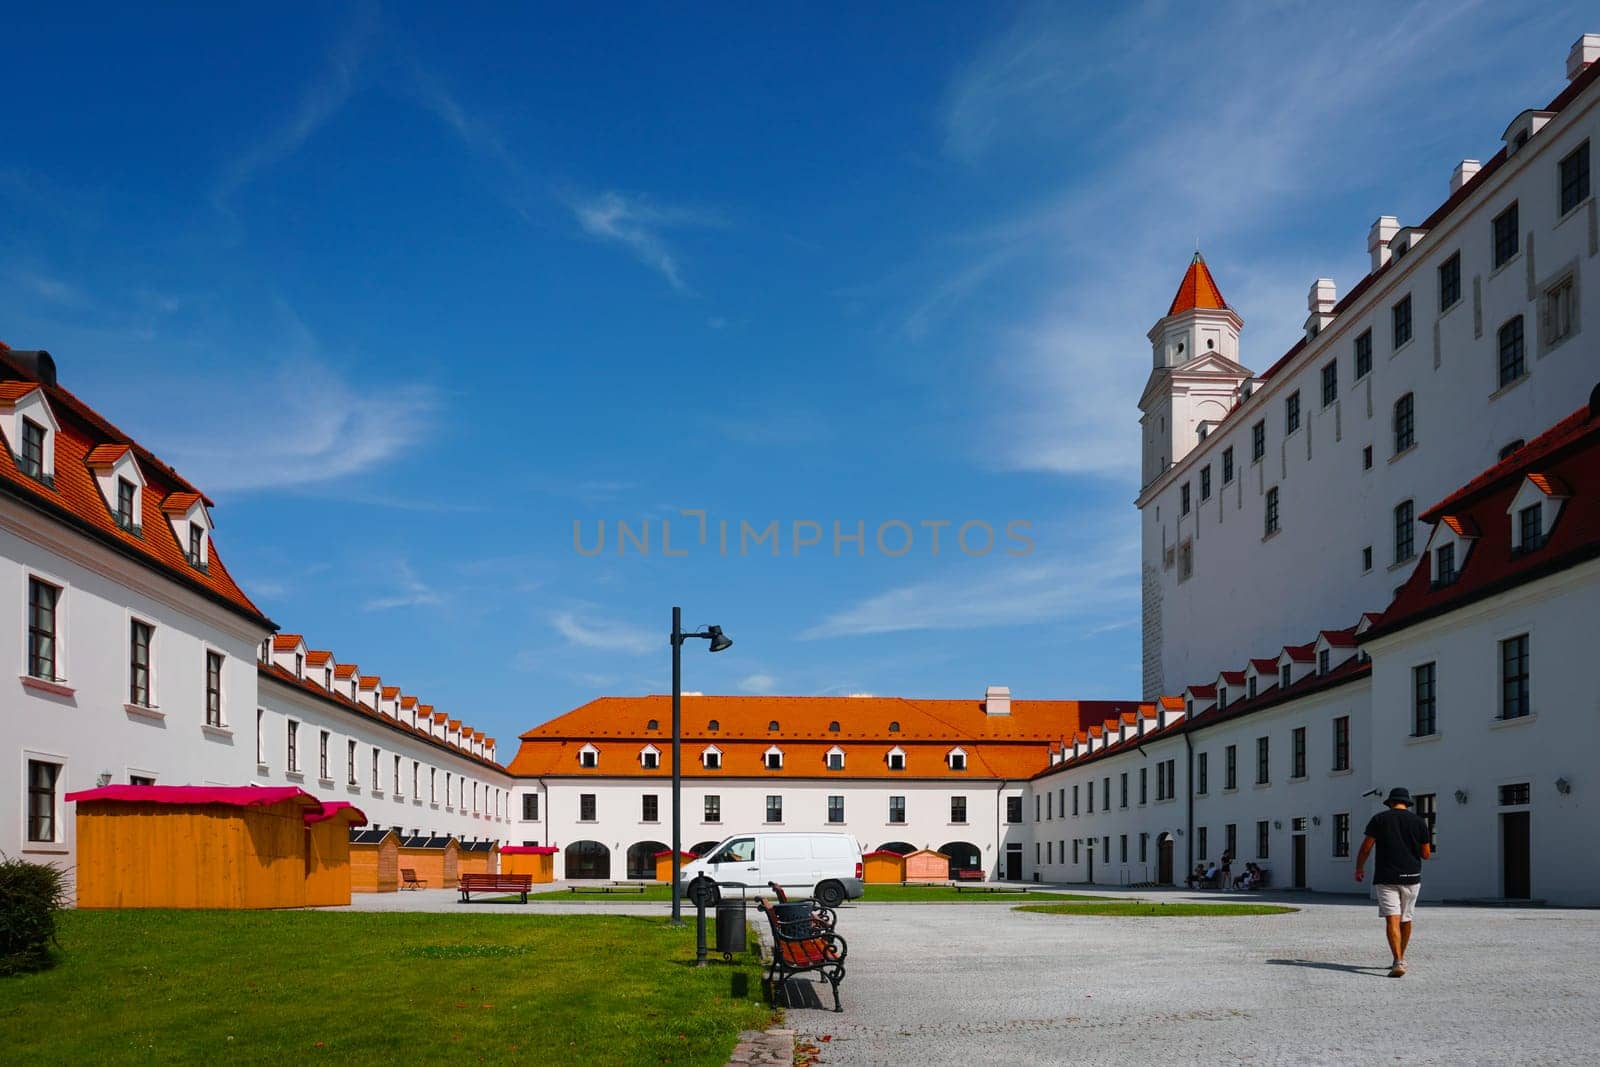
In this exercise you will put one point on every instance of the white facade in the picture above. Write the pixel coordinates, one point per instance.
(1332, 505)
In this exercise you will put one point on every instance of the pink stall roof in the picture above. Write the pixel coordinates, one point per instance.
(234, 795)
(884, 852)
(331, 808)
(668, 852)
(528, 850)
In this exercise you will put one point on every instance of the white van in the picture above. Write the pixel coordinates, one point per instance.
(824, 866)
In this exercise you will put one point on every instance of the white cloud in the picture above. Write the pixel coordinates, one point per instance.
(408, 591)
(583, 629)
(639, 225)
(758, 683)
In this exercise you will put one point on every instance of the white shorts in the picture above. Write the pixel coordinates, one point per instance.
(1397, 900)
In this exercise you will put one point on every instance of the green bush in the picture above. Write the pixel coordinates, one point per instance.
(30, 896)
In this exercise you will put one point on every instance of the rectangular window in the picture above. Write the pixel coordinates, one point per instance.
(1363, 354)
(1227, 465)
(377, 785)
(1270, 518)
(835, 761)
(1330, 382)
(1013, 809)
(1172, 779)
(322, 755)
(1424, 703)
(394, 784)
(350, 763)
(1324, 658)
(1341, 835)
(1291, 413)
(1123, 786)
(958, 809)
(125, 516)
(433, 781)
(1559, 305)
(1230, 767)
(1366, 457)
(1144, 786)
(1428, 808)
(1263, 760)
(713, 809)
(650, 760)
(586, 807)
(530, 807)
(197, 547)
(1444, 565)
(1250, 686)
(1258, 440)
(1405, 427)
(836, 809)
(1201, 777)
(1574, 174)
(32, 449)
(1366, 558)
(897, 809)
(1341, 743)
(139, 634)
(1404, 532)
(1530, 528)
(1450, 282)
(1297, 753)
(1144, 848)
(1515, 795)
(1074, 801)
(1183, 499)
(1505, 235)
(1401, 316)
(43, 825)
(650, 808)
(1263, 838)
(1105, 793)
(292, 741)
(1513, 360)
(1285, 675)
(1205, 482)
(1230, 839)
(774, 808)
(1514, 677)
(1124, 846)
(43, 599)
(214, 689)
(261, 740)
(416, 785)
(1161, 781)
(1075, 843)
(1200, 843)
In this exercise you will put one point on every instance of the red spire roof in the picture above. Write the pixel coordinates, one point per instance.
(1197, 290)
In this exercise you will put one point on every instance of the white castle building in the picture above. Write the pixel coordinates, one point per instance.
(1374, 563)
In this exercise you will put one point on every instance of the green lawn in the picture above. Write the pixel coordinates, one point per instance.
(654, 891)
(1143, 909)
(277, 987)
(914, 893)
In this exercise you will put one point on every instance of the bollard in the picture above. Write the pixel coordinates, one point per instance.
(700, 930)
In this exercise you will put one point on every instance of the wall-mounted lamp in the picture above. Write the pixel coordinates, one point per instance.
(1563, 786)
(1316, 820)
(103, 778)
(1277, 824)
(1461, 796)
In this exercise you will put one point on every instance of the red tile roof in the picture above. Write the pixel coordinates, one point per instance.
(286, 642)
(102, 456)
(1301, 653)
(1557, 439)
(318, 657)
(1340, 638)
(1265, 666)
(179, 503)
(345, 670)
(1197, 290)
(76, 500)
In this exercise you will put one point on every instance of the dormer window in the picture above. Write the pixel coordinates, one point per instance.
(772, 759)
(956, 759)
(1535, 510)
(772, 727)
(713, 726)
(327, 678)
(589, 757)
(652, 725)
(299, 665)
(711, 759)
(894, 727)
(126, 495)
(1530, 528)
(1444, 565)
(1283, 676)
(1250, 686)
(897, 759)
(835, 758)
(1222, 697)
(650, 758)
(833, 727)
(197, 546)
(33, 458)
(352, 689)
(1322, 660)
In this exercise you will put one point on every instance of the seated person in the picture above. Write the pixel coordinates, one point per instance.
(1211, 874)
(1245, 877)
(1196, 878)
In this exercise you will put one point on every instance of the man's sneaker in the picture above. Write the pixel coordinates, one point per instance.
(1398, 970)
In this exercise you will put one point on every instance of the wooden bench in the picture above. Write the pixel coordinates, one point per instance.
(409, 879)
(821, 915)
(799, 947)
(967, 874)
(494, 883)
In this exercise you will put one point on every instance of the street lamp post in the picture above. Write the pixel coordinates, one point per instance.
(718, 643)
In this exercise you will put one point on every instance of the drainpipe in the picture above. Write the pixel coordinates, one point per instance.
(544, 804)
(999, 845)
(1188, 789)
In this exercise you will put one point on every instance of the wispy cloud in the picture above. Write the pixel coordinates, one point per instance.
(639, 225)
(585, 629)
(406, 591)
(758, 683)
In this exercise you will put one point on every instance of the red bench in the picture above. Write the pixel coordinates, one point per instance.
(967, 874)
(494, 883)
(802, 946)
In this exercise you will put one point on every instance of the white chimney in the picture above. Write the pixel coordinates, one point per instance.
(997, 700)
(1464, 173)
(1585, 51)
(1320, 301)
(1378, 239)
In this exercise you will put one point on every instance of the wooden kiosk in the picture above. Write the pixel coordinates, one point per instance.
(328, 875)
(883, 867)
(479, 857)
(374, 861)
(537, 860)
(435, 859)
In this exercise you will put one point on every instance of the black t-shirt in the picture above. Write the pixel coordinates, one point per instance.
(1399, 834)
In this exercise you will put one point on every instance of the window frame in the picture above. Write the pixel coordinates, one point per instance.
(1401, 322)
(1330, 382)
(1363, 353)
(1511, 346)
(1341, 743)
(44, 629)
(897, 810)
(1269, 516)
(1505, 240)
(1291, 413)
(1516, 675)
(1450, 282)
(958, 810)
(1570, 199)
(1405, 423)
(1258, 441)
(774, 808)
(215, 705)
(141, 676)
(1425, 699)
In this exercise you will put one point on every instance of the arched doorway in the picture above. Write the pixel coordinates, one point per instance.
(1164, 859)
(588, 859)
(642, 859)
(898, 847)
(964, 856)
(702, 848)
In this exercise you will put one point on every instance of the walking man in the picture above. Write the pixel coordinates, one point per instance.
(1401, 837)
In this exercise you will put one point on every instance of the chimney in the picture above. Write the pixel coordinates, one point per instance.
(36, 364)
(997, 700)
(1320, 301)
(1464, 173)
(1585, 52)
(1378, 239)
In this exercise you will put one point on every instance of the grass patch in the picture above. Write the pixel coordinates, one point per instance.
(657, 893)
(883, 894)
(1144, 909)
(278, 987)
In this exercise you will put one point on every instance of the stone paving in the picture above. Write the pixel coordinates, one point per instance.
(956, 983)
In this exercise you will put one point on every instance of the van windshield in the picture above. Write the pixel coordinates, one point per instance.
(739, 850)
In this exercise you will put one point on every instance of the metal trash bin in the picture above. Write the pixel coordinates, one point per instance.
(730, 927)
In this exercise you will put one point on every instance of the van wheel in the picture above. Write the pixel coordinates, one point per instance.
(830, 894)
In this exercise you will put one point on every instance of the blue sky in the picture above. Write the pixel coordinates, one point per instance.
(411, 291)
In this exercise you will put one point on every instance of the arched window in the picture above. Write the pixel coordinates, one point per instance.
(713, 726)
(772, 727)
(833, 727)
(894, 727)
(652, 725)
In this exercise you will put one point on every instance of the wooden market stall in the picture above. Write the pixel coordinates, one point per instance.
(328, 876)
(664, 863)
(537, 860)
(436, 859)
(479, 857)
(168, 846)
(926, 865)
(374, 861)
(883, 867)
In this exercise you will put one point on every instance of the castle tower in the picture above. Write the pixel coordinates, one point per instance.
(1196, 374)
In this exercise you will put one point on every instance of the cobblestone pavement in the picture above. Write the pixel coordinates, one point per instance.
(937, 983)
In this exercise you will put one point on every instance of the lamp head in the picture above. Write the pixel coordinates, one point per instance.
(719, 640)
